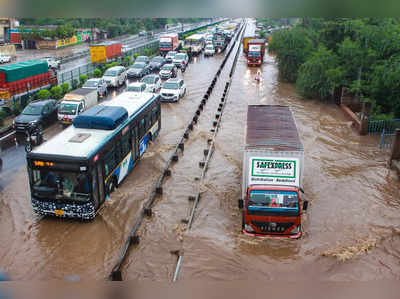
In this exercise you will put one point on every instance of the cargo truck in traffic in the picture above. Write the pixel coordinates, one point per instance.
(74, 103)
(168, 42)
(273, 165)
(101, 53)
(254, 48)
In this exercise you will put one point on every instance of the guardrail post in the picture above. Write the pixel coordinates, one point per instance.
(395, 153)
(365, 112)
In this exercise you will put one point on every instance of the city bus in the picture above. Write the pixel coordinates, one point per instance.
(72, 174)
(196, 42)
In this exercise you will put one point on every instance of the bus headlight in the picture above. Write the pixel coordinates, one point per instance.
(248, 228)
(296, 230)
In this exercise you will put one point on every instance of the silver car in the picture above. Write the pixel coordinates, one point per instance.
(97, 83)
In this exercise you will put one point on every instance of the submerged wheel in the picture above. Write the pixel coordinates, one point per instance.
(111, 185)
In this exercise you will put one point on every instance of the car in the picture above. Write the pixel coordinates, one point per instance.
(209, 50)
(115, 76)
(143, 33)
(41, 113)
(153, 83)
(52, 62)
(170, 56)
(97, 83)
(137, 87)
(138, 70)
(156, 63)
(181, 59)
(5, 58)
(168, 71)
(144, 59)
(172, 90)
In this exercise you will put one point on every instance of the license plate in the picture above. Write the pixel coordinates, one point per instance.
(59, 212)
(65, 122)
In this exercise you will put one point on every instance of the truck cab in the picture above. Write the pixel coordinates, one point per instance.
(272, 210)
(74, 103)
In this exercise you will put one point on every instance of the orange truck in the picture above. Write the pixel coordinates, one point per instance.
(273, 163)
(101, 53)
(168, 42)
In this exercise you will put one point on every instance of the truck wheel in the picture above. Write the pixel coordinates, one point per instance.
(242, 219)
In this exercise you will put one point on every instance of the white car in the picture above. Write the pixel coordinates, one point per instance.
(136, 87)
(5, 58)
(172, 90)
(52, 62)
(115, 76)
(97, 83)
(209, 50)
(170, 56)
(153, 83)
(181, 59)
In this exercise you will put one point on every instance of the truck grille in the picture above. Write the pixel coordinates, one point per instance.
(272, 227)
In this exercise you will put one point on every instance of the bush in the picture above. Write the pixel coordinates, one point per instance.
(135, 55)
(16, 107)
(147, 52)
(83, 79)
(97, 73)
(43, 94)
(65, 87)
(56, 92)
(127, 61)
(74, 84)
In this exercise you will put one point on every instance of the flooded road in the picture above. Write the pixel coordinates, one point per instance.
(352, 229)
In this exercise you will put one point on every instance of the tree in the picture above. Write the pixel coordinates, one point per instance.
(56, 92)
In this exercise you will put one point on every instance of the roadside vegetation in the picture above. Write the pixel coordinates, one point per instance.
(320, 55)
(113, 26)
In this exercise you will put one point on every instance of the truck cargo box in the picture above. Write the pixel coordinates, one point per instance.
(273, 153)
(21, 70)
(104, 51)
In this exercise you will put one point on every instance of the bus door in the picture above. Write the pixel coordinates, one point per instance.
(100, 179)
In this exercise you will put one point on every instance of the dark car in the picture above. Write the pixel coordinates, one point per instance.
(138, 70)
(156, 63)
(41, 113)
(168, 71)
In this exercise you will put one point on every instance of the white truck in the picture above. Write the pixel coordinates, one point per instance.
(74, 103)
(273, 162)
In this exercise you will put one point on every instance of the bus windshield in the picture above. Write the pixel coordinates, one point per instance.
(274, 199)
(54, 184)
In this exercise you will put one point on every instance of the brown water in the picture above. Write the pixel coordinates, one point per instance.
(355, 201)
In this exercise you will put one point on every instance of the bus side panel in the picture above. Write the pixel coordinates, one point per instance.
(125, 166)
(143, 145)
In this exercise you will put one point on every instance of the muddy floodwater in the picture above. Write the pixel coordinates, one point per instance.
(351, 230)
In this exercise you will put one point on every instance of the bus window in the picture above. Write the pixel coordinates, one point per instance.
(135, 142)
(109, 161)
(142, 128)
(148, 121)
(118, 155)
(125, 145)
(154, 115)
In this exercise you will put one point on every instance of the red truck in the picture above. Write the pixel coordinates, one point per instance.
(168, 42)
(255, 52)
(273, 163)
(21, 78)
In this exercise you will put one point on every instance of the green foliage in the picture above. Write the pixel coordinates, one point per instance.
(292, 48)
(56, 92)
(147, 52)
(319, 75)
(43, 94)
(127, 61)
(136, 55)
(83, 79)
(65, 87)
(75, 84)
(97, 73)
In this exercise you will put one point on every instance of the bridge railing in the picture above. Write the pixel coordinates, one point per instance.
(377, 126)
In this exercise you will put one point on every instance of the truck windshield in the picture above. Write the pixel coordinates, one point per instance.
(50, 184)
(254, 53)
(68, 108)
(274, 199)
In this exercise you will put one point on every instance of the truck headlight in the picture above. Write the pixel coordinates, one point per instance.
(248, 228)
(296, 230)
